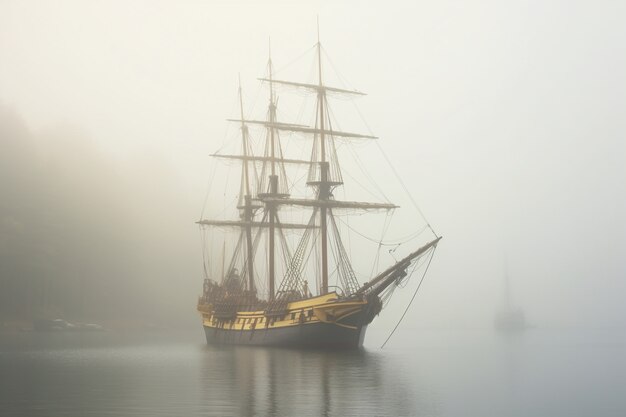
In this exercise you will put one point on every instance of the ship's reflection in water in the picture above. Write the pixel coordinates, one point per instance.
(281, 382)
(71, 374)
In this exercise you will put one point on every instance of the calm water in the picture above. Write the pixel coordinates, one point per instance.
(470, 373)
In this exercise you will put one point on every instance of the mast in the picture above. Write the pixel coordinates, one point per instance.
(273, 185)
(324, 187)
(247, 210)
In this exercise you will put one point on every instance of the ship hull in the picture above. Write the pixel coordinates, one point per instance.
(318, 322)
(313, 335)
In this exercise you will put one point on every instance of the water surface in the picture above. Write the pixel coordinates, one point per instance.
(440, 373)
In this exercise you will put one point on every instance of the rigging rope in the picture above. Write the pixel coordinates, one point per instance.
(347, 85)
(375, 264)
(293, 61)
(406, 190)
(412, 298)
(203, 246)
(208, 190)
(399, 241)
(404, 187)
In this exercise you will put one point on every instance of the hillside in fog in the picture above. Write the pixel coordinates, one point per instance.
(85, 235)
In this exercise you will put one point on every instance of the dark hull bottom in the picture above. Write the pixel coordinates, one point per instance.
(314, 335)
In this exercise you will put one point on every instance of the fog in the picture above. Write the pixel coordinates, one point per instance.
(86, 235)
(504, 118)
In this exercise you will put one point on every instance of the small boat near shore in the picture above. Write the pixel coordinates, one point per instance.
(60, 325)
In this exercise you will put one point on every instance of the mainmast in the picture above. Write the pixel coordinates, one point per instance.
(324, 175)
(324, 187)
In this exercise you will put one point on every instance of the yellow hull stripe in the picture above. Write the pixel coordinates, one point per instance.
(321, 309)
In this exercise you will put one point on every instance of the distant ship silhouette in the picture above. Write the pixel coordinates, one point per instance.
(509, 318)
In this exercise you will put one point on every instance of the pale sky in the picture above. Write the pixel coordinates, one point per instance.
(505, 118)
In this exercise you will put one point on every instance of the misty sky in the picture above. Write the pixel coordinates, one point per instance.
(505, 118)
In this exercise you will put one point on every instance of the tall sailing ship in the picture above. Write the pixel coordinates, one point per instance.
(277, 290)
